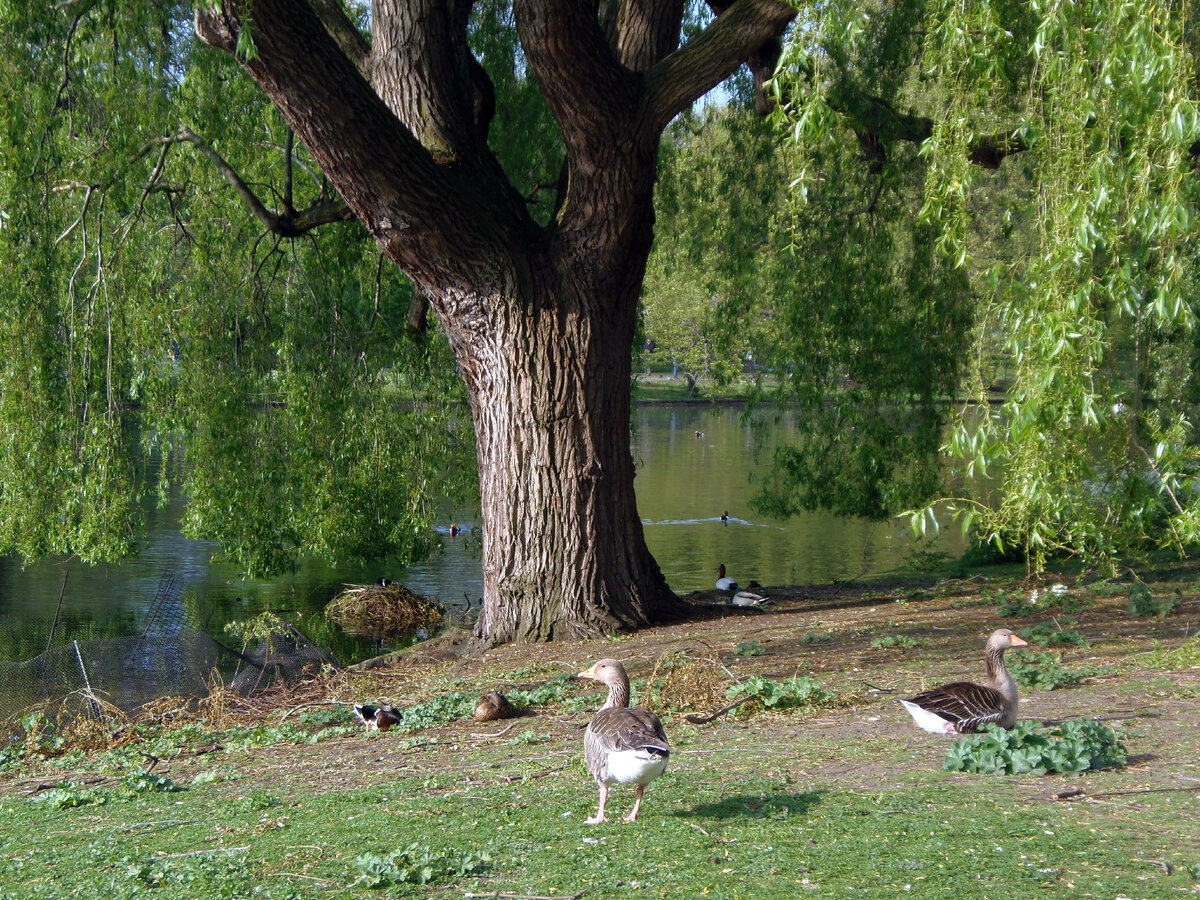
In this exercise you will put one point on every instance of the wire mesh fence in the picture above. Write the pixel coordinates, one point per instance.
(169, 656)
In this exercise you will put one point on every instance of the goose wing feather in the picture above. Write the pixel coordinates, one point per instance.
(968, 705)
(619, 729)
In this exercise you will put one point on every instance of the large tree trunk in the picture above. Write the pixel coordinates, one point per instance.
(541, 317)
(563, 550)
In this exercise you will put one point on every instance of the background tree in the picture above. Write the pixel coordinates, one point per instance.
(843, 305)
(162, 296)
(1057, 168)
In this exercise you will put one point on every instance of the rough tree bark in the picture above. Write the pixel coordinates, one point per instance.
(541, 319)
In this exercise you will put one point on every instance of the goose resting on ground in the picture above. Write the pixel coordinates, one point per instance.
(622, 745)
(377, 717)
(963, 707)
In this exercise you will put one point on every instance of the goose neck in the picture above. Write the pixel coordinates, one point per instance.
(618, 694)
(997, 673)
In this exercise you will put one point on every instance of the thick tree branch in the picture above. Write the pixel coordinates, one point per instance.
(761, 64)
(288, 224)
(693, 70)
(646, 31)
(434, 221)
(342, 30)
(878, 124)
(576, 68)
(421, 66)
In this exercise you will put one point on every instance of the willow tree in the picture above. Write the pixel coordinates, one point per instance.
(1059, 147)
(395, 110)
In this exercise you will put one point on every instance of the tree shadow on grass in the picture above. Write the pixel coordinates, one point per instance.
(756, 806)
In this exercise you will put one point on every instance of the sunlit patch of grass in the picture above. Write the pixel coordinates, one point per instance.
(1184, 656)
(716, 825)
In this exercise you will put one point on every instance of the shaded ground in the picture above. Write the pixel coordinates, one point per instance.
(863, 741)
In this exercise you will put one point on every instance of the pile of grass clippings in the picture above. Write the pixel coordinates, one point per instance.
(383, 609)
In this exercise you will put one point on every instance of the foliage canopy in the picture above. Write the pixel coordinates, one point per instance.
(993, 203)
(990, 201)
(147, 311)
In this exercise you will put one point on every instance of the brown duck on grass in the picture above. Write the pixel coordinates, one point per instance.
(963, 707)
(493, 705)
(622, 745)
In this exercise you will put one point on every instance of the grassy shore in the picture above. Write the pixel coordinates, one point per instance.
(838, 795)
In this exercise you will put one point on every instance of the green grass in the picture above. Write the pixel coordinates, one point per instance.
(723, 822)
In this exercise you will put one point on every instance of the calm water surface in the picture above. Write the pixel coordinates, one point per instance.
(684, 483)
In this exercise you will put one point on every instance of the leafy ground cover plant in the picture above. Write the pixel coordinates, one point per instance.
(1144, 602)
(1077, 745)
(1045, 671)
(1052, 634)
(902, 641)
(799, 691)
(417, 864)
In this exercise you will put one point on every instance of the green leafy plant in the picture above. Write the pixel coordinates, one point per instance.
(549, 692)
(749, 648)
(417, 864)
(799, 691)
(1049, 634)
(68, 795)
(143, 782)
(41, 735)
(1011, 604)
(212, 874)
(1160, 657)
(256, 801)
(1078, 745)
(216, 776)
(901, 641)
(528, 736)
(814, 637)
(1143, 602)
(1045, 671)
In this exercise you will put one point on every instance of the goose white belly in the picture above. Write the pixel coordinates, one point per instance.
(930, 721)
(634, 766)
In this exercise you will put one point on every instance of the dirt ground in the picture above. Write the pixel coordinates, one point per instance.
(823, 631)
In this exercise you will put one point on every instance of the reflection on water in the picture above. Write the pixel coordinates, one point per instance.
(696, 464)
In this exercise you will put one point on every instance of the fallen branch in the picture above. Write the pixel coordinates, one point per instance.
(697, 719)
(1079, 793)
(497, 734)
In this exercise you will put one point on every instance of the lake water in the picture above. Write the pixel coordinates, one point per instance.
(684, 484)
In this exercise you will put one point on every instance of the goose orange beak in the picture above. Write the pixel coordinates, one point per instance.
(590, 672)
(1014, 641)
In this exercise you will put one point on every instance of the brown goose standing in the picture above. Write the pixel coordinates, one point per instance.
(622, 745)
(963, 707)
